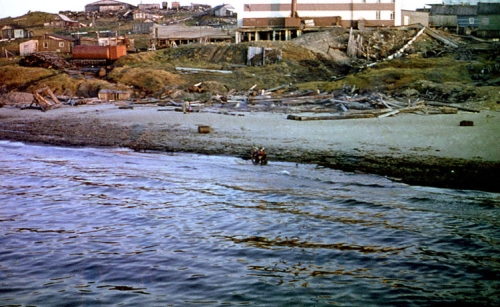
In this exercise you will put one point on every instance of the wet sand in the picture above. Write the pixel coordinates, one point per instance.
(431, 150)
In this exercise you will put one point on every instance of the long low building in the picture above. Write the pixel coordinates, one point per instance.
(174, 35)
(286, 19)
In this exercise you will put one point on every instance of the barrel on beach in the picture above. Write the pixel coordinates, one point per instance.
(204, 129)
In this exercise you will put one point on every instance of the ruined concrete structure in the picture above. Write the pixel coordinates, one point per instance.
(287, 19)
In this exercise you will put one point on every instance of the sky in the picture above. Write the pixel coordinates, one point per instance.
(16, 8)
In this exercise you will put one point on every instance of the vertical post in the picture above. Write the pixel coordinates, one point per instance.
(294, 9)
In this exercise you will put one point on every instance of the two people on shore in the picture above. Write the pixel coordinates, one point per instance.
(259, 156)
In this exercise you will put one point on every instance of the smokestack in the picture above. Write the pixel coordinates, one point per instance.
(294, 9)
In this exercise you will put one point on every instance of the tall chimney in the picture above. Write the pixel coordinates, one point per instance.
(294, 9)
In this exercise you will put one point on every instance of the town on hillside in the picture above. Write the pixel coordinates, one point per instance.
(154, 26)
(331, 41)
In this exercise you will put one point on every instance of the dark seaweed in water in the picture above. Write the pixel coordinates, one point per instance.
(88, 227)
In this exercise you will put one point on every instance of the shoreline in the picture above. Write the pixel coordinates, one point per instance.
(428, 150)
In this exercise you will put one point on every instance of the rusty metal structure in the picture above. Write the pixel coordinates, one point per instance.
(84, 55)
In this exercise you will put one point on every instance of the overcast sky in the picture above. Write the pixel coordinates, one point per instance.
(15, 8)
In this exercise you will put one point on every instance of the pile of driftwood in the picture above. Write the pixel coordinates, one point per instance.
(314, 105)
(44, 60)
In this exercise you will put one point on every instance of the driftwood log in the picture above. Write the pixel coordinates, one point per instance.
(332, 117)
(43, 103)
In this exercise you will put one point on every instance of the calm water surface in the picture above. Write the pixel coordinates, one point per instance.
(112, 227)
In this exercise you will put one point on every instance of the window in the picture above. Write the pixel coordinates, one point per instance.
(61, 44)
(378, 15)
(392, 15)
(46, 45)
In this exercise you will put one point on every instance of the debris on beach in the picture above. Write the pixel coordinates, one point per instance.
(45, 99)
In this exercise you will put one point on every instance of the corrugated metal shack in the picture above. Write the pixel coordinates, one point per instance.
(457, 17)
(489, 20)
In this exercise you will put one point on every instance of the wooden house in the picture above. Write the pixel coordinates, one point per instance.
(149, 7)
(62, 21)
(224, 10)
(56, 43)
(14, 32)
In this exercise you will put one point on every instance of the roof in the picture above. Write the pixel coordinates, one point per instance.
(65, 18)
(458, 10)
(228, 7)
(107, 2)
(12, 27)
(59, 37)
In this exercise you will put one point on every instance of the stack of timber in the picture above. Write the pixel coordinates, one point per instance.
(44, 60)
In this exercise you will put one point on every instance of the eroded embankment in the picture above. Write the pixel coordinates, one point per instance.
(411, 169)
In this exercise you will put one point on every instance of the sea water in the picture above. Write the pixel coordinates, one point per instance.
(113, 227)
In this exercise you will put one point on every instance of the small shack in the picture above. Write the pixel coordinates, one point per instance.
(414, 17)
(143, 27)
(114, 95)
(29, 47)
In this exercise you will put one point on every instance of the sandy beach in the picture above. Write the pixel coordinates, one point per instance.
(432, 150)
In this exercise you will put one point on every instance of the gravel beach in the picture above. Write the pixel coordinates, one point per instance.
(431, 150)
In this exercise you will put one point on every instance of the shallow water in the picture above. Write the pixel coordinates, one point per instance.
(91, 227)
